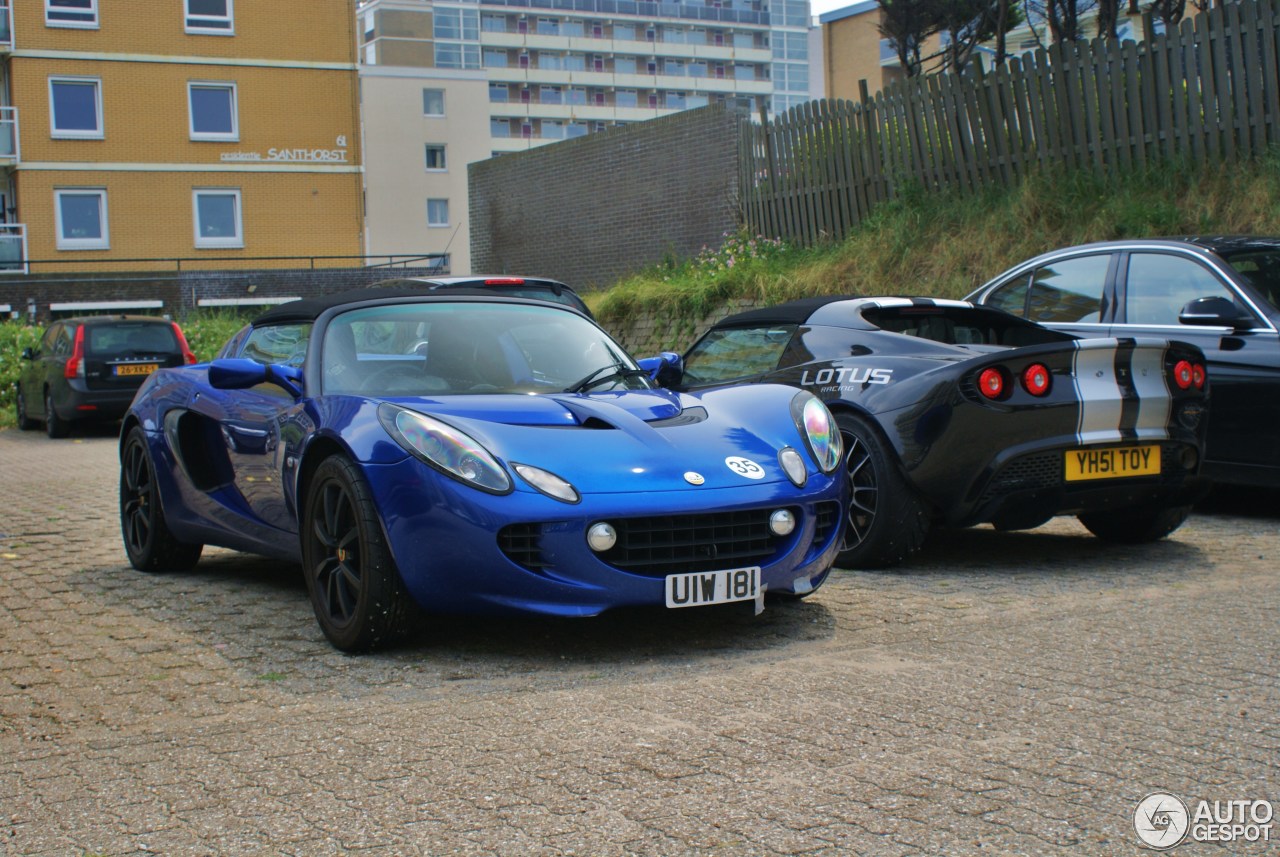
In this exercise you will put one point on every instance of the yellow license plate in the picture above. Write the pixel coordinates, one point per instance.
(137, 368)
(1113, 462)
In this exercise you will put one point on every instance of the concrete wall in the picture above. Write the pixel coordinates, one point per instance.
(593, 209)
(182, 291)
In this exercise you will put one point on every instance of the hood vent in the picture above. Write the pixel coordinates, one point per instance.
(687, 417)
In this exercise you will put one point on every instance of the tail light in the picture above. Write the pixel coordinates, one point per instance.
(1184, 374)
(504, 281)
(187, 356)
(75, 363)
(1198, 376)
(1035, 379)
(991, 383)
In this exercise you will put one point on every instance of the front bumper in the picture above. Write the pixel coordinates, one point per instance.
(456, 552)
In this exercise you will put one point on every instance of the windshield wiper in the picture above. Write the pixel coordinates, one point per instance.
(605, 373)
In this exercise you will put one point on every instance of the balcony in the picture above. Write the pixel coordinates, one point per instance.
(13, 248)
(9, 154)
(6, 26)
(641, 8)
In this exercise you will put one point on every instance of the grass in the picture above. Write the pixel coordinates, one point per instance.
(946, 245)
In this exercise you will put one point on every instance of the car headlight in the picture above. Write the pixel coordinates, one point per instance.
(548, 483)
(445, 448)
(818, 428)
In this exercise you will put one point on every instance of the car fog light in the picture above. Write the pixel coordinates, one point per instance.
(782, 522)
(793, 465)
(1189, 458)
(601, 537)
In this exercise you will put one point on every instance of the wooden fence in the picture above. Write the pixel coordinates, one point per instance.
(1209, 91)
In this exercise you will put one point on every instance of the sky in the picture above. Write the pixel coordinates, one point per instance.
(821, 7)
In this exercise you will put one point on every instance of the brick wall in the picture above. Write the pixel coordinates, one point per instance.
(590, 210)
(182, 291)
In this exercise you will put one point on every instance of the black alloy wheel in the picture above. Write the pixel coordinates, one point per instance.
(25, 423)
(54, 425)
(356, 591)
(147, 539)
(886, 521)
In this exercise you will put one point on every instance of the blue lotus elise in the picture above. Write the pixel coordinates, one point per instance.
(422, 453)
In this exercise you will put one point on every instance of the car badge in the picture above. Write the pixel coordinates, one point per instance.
(694, 478)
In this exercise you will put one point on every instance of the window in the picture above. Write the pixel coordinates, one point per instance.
(498, 92)
(433, 102)
(576, 95)
(723, 355)
(495, 59)
(572, 28)
(552, 130)
(493, 23)
(674, 35)
(210, 17)
(212, 111)
(550, 95)
(437, 212)
(71, 13)
(548, 27)
(575, 62)
(624, 65)
(499, 128)
(624, 32)
(550, 61)
(81, 215)
(457, 55)
(75, 106)
(456, 23)
(217, 217)
(744, 40)
(675, 100)
(280, 343)
(625, 98)
(673, 67)
(435, 156)
(575, 129)
(1159, 286)
(1069, 291)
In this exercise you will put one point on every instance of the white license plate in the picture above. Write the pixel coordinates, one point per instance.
(713, 587)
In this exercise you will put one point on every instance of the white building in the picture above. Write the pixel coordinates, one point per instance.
(556, 69)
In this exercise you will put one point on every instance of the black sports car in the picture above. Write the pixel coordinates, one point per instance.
(1220, 293)
(958, 415)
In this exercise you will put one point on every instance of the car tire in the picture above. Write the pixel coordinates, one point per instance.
(886, 521)
(147, 540)
(25, 423)
(54, 425)
(356, 591)
(1136, 526)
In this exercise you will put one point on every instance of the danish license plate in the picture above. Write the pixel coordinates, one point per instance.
(713, 587)
(1114, 462)
(136, 368)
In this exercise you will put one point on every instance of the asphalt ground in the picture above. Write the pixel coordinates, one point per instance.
(1007, 693)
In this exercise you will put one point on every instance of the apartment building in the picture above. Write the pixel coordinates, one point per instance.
(213, 131)
(554, 70)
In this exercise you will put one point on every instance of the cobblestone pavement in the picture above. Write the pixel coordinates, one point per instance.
(1011, 693)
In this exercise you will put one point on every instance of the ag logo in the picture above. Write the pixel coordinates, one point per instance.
(694, 478)
(1161, 821)
(744, 467)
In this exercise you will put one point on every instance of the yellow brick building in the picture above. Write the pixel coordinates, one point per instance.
(220, 131)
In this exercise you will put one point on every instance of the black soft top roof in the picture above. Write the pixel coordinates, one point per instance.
(308, 309)
(791, 312)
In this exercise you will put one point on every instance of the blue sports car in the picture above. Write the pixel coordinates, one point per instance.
(470, 453)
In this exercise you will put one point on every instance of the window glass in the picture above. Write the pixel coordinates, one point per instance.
(212, 109)
(1159, 286)
(550, 95)
(495, 59)
(217, 218)
(572, 28)
(624, 32)
(575, 62)
(576, 95)
(433, 102)
(499, 128)
(1070, 290)
(82, 219)
(130, 339)
(548, 27)
(1011, 297)
(71, 13)
(435, 156)
(498, 92)
(550, 61)
(728, 354)
(437, 212)
(624, 65)
(279, 343)
(625, 98)
(75, 107)
(1262, 271)
(210, 16)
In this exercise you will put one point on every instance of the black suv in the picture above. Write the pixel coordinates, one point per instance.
(88, 369)
(520, 287)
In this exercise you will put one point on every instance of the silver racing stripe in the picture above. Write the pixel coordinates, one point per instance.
(1099, 394)
(1151, 383)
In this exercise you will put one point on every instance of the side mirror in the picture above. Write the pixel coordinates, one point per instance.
(1215, 312)
(28, 354)
(667, 369)
(238, 373)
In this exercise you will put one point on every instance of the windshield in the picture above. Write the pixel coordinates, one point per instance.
(440, 348)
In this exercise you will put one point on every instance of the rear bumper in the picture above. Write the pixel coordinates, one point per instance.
(76, 402)
(1029, 489)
